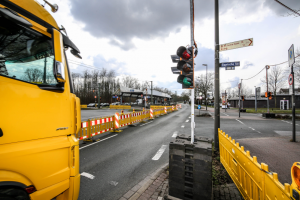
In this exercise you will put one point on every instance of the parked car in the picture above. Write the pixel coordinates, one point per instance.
(105, 104)
(91, 105)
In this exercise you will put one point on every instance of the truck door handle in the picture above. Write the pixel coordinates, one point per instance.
(1, 133)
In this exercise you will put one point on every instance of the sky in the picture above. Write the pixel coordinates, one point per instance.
(138, 37)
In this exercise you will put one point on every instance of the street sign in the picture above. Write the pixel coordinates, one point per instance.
(291, 56)
(131, 90)
(258, 92)
(237, 44)
(291, 79)
(199, 106)
(230, 64)
(229, 68)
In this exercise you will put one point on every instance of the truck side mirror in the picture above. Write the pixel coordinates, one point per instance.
(58, 68)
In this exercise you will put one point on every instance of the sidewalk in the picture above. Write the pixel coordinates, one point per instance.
(155, 187)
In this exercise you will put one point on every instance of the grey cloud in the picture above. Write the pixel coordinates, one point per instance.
(124, 20)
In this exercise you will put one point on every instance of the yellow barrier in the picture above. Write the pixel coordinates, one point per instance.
(83, 106)
(97, 126)
(252, 179)
(119, 107)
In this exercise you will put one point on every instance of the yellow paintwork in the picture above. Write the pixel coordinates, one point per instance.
(294, 186)
(32, 150)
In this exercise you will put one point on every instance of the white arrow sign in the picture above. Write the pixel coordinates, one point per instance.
(237, 44)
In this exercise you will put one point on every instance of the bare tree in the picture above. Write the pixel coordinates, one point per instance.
(33, 75)
(204, 84)
(276, 80)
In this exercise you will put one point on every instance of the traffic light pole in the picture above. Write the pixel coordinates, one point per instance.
(217, 78)
(255, 99)
(242, 93)
(151, 93)
(192, 90)
(240, 101)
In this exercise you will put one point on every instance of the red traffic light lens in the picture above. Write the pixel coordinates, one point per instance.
(182, 52)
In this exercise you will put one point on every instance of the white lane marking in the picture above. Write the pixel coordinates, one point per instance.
(190, 117)
(159, 152)
(114, 183)
(187, 121)
(90, 176)
(98, 141)
(182, 126)
(175, 134)
(225, 114)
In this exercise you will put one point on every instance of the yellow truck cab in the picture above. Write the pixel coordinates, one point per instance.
(39, 113)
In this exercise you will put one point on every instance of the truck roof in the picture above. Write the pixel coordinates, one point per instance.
(33, 9)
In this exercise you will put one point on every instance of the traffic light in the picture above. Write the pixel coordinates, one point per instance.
(185, 66)
(243, 98)
(270, 95)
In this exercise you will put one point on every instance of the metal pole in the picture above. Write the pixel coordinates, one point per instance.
(225, 102)
(242, 93)
(267, 90)
(217, 77)
(45, 69)
(151, 94)
(240, 101)
(255, 100)
(206, 89)
(98, 95)
(192, 90)
(293, 107)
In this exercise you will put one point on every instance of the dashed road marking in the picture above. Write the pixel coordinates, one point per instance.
(159, 152)
(187, 121)
(90, 176)
(98, 141)
(175, 134)
(182, 126)
(114, 183)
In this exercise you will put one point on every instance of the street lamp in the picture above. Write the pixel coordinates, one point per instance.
(255, 99)
(206, 86)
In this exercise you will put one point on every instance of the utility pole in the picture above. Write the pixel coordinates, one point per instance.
(255, 99)
(267, 67)
(205, 86)
(192, 90)
(99, 98)
(239, 100)
(217, 77)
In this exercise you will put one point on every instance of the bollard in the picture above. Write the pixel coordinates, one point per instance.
(151, 113)
(122, 112)
(165, 109)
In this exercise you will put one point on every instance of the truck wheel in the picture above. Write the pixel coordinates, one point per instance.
(13, 194)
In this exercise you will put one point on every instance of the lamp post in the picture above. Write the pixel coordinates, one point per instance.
(205, 86)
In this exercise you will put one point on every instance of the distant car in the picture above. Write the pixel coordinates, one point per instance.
(91, 105)
(105, 104)
(126, 104)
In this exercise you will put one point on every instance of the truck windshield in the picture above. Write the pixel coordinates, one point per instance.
(25, 54)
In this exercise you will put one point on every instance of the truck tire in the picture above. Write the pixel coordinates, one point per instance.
(10, 193)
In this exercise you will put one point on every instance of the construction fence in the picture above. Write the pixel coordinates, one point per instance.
(96, 126)
(119, 107)
(253, 180)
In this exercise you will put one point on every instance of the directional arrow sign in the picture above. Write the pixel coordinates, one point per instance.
(237, 44)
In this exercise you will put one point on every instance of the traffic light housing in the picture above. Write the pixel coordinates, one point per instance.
(243, 98)
(268, 95)
(185, 67)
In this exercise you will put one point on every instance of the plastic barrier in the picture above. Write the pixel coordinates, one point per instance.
(252, 179)
(119, 107)
(83, 106)
(97, 126)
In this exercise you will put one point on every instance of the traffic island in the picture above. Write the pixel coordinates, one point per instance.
(268, 115)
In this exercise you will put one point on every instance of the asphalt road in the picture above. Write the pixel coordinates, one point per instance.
(95, 113)
(119, 161)
(124, 159)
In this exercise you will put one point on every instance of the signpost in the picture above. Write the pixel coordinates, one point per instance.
(237, 44)
(291, 59)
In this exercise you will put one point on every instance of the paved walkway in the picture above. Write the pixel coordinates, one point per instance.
(155, 187)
